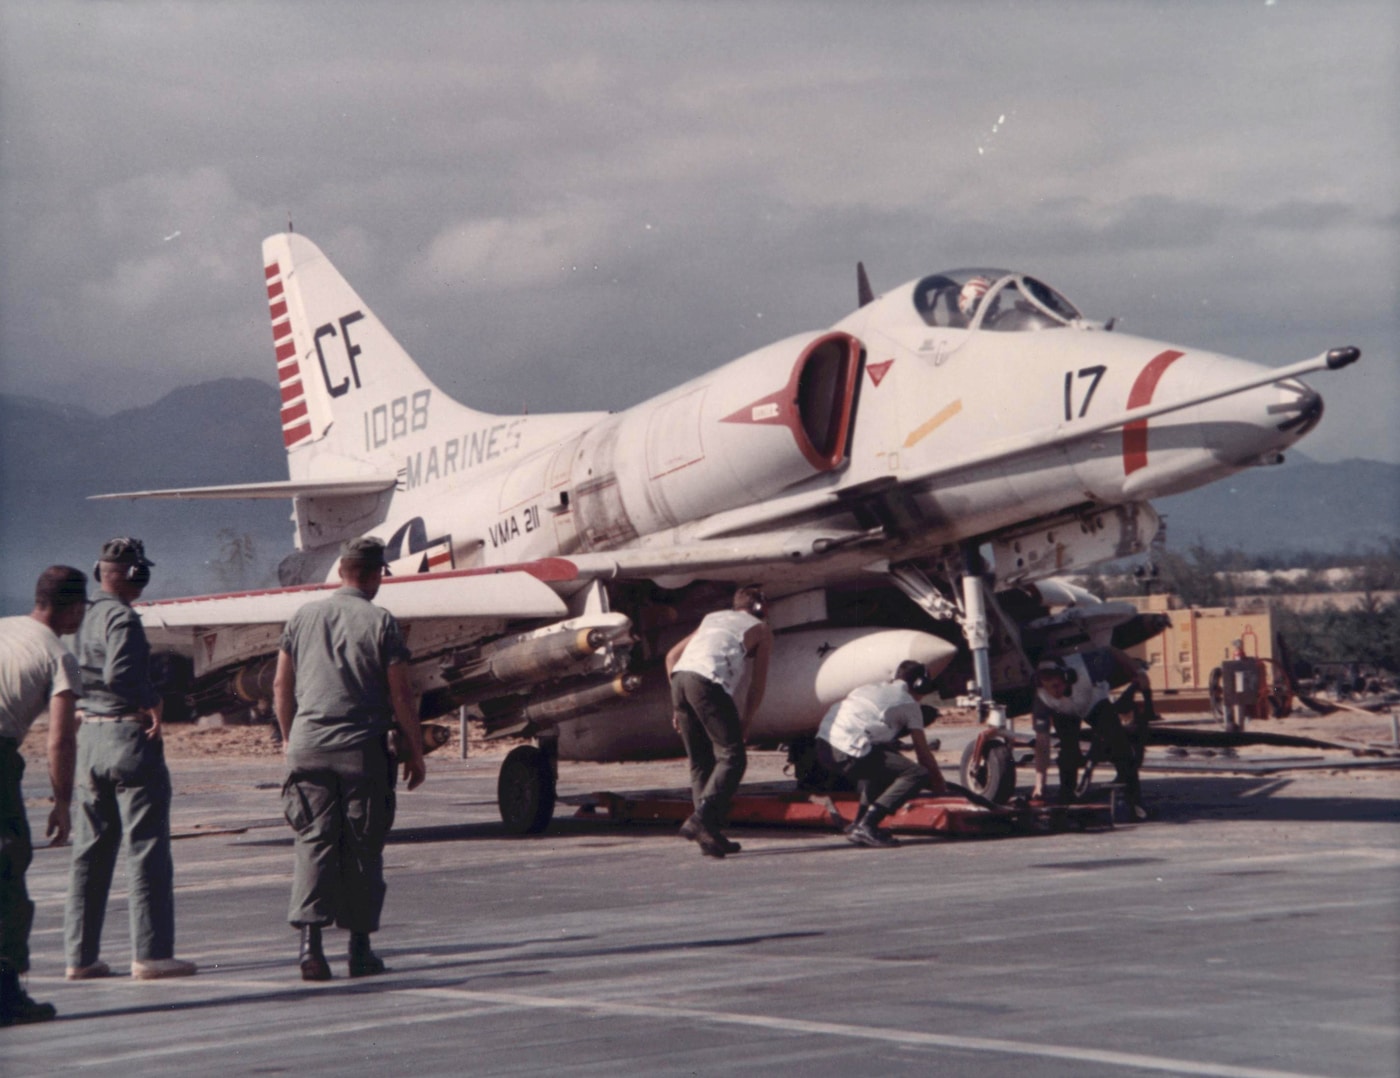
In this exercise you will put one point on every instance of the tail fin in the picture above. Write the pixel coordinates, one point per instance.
(349, 390)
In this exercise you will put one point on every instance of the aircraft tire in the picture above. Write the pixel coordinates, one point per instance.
(994, 776)
(525, 791)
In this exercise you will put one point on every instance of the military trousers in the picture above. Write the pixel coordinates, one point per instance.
(340, 804)
(1110, 740)
(884, 775)
(714, 743)
(123, 794)
(16, 852)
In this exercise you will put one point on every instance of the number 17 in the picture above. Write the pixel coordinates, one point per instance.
(1096, 373)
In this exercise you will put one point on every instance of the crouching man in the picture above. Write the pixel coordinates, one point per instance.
(858, 740)
(1076, 689)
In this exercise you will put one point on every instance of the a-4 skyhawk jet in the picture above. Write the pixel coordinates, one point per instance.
(905, 484)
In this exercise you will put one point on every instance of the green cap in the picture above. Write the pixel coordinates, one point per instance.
(366, 549)
(125, 551)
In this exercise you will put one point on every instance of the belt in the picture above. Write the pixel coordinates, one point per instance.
(138, 717)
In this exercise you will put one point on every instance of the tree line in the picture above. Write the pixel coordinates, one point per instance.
(1367, 632)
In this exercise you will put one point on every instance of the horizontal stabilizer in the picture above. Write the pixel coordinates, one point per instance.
(285, 488)
(439, 595)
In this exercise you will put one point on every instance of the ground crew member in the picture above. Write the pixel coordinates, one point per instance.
(341, 687)
(123, 785)
(705, 670)
(36, 672)
(1074, 689)
(858, 740)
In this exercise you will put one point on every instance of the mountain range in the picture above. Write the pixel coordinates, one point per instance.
(52, 457)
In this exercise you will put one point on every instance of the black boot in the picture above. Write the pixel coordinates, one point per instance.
(16, 1008)
(314, 966)
(363, 961)
(867, 831)
(707, 831)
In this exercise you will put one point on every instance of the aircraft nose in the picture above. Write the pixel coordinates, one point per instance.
(1300, 414)
(1255, 427)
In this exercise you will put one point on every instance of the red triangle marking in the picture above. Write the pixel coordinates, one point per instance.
(877, 371)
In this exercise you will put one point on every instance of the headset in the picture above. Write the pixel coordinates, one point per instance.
(1057, 666)
(117, 550)
(915, 675)
(754, 601)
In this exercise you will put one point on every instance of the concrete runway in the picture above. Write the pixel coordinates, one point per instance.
(1252, 930)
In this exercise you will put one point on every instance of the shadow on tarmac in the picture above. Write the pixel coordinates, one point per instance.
(1190, 800)
(299, 992)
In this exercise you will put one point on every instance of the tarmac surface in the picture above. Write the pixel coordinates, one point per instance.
(1251, 929)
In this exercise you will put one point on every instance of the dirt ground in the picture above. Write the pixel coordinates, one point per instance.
(192, 741)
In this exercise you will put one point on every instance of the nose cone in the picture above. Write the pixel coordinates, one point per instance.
(1265, 422)
(1255, 427)
(1300, 414)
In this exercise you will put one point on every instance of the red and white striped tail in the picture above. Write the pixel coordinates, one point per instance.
(296, 423)
(348, 389)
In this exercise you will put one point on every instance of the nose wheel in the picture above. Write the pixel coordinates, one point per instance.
(988, 768)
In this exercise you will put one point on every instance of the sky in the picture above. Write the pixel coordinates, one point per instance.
(574, 206)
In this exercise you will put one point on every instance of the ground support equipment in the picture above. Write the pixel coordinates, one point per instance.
(780, 804)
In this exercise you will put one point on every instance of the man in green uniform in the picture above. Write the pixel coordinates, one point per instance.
(342, 686)
(123, 784)
(36, 672)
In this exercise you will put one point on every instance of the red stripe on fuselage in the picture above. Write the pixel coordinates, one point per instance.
(1135, 433)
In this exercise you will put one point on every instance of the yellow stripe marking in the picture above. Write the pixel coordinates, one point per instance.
(922, 432)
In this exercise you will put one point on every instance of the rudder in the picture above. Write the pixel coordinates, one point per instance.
(338, 367)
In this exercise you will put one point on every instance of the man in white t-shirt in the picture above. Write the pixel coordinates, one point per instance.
(705, 670)
(859, 740)
(37, 674)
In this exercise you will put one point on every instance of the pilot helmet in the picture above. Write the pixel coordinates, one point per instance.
(971, 295)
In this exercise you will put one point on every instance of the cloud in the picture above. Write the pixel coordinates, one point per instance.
(665, 187)
(518, 252)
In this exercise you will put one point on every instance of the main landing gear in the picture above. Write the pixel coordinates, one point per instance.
(525, 789)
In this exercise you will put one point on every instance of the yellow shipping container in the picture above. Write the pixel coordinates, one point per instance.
(1198, 640)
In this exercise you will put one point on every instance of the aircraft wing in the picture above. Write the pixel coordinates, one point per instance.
(285, 488)
(509, 594)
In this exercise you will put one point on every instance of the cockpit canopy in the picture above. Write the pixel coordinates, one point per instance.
(991, 299)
